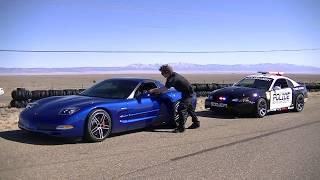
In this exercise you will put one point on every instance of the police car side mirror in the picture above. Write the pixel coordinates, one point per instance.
(276, 88)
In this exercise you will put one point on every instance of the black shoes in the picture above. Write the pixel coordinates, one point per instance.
(194, 125)
(179, 130)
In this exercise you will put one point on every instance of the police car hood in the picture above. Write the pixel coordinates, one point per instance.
(236, 91)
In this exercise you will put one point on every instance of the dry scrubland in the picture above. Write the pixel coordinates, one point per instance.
(44, 82)
(9, 116)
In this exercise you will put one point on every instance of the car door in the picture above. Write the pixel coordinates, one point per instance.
(281, 95)
(143, 108)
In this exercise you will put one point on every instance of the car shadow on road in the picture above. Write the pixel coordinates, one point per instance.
(25, 137)
(217, 115)
(22, 136)
(230, 116)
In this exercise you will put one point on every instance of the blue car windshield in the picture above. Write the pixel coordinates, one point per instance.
(259, 83)
(111, 89)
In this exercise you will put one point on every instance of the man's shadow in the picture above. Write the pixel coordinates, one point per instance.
(160, 128)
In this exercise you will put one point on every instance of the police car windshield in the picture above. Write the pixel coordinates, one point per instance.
(254, 82)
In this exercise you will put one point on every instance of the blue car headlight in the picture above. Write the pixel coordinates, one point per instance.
(31, 105)
(69, 110)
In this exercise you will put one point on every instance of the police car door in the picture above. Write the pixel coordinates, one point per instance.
(281, 95)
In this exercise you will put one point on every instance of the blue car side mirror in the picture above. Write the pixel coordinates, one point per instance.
(144, 94)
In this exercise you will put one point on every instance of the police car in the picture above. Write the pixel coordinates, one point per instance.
(259, 94)
(1, 91)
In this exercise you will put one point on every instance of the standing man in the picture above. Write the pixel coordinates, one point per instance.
(182, 85)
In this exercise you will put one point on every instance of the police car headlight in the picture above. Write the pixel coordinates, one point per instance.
(244, 99)
(235, 100)
(210, 97)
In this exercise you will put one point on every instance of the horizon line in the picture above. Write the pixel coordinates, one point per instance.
(155, 64)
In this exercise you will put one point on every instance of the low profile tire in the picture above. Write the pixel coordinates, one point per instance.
(261, 108)
(175, 114)
(98, 126)
(299, 104)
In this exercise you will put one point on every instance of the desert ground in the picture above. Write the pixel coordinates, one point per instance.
(278, 146)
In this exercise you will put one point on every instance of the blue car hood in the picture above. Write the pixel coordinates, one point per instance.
(59, 102)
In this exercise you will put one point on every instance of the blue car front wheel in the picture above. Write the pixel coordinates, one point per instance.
(98, 126)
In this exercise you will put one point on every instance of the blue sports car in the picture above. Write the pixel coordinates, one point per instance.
(111, 106)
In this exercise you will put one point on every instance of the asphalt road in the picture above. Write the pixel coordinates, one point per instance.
(279, 146)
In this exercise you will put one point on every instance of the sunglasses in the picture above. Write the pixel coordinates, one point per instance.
(162, 73)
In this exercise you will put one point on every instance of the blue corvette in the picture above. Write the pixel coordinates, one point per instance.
(111, 106)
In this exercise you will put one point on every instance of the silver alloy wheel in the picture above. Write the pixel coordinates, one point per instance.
(300, 103)
(99, 125)
(262, 108)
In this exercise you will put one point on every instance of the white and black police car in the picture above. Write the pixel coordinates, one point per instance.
(259, 94)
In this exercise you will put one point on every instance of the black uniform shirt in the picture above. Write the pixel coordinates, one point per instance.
(180, 84)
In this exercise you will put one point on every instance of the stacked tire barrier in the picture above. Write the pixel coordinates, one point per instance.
(21, 97)
(312, 87)
(203, 89)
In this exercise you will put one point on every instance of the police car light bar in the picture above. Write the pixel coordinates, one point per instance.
(277, 73)
(263, 72)
(271, 72)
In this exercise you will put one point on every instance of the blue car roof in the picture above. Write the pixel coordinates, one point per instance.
(136, 79)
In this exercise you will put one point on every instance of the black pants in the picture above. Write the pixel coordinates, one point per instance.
(185, 108)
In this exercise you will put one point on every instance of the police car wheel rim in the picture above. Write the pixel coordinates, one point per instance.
(300, 103)
(262, 108)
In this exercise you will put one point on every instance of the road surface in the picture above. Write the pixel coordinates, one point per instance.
(279, 146)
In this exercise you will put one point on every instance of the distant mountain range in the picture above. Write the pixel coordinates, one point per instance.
(180, 67)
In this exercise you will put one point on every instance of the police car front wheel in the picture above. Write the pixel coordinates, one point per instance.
(299, 104)
(261, 108)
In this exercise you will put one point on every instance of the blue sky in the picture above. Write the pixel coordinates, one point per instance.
(172, 25)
